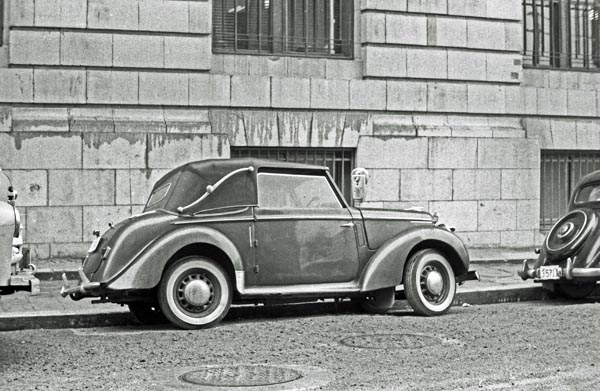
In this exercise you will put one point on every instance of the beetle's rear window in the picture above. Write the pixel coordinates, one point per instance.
(589, 193)
(158, 195)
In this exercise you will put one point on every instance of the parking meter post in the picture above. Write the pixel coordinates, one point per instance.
(359, 182)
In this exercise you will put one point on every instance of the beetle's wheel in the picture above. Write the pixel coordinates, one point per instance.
(147, 313)
(429, 283)
(379, 301)
(195, 292)
(575, 291)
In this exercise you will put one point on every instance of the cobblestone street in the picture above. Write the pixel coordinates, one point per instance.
(527, 346)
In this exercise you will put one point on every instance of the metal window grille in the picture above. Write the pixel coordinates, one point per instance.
(560, 172)
(339, 160)
(1, 22)
(321, 28)
(562, 33)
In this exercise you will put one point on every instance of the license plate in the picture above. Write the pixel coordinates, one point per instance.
(94, 245)
(550, 272)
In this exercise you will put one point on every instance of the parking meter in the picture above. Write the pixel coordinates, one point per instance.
(359, 182)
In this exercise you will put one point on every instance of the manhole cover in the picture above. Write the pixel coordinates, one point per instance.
(241, 376)
(391, 341)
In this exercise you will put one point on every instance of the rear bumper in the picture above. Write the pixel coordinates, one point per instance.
(567, 273)
(86, 288)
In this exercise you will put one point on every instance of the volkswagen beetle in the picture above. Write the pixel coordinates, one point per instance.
(16, 273)
(218, 232)
(569, 260)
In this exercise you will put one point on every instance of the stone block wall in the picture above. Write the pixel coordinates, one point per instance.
(476, 172)
(443, 40)
(73, 179)
(98, 98)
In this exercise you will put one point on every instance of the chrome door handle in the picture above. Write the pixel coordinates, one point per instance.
(348, 225)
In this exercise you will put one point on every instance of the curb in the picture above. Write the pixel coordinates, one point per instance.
(497, 296)
(14, 322)
(55, 320)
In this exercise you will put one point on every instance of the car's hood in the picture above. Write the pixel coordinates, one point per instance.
(382, 224)
(398, 214)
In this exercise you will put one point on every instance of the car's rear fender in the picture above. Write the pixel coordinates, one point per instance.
(386, 266)
(145, 271)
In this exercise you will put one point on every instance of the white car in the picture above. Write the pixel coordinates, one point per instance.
(16, 273)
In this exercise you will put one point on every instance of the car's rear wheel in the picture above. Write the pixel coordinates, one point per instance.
(195, 292)
(429, 283)
(147, 313)
(575, 290)
(379, 301)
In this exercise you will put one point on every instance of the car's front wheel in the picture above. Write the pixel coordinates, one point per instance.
(195, 292)
(429, 283)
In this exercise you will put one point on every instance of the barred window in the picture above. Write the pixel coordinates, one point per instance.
(562, 33)
(1, 22)
(321, 28)
(560, 172)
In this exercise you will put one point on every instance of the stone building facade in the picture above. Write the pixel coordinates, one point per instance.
(98, 98)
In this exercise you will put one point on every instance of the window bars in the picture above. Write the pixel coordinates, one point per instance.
(560, 172)
(339, 160)
(561, 33)
(1, 22)
(321, 28)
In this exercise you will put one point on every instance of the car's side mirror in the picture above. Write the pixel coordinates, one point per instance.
(360, 177)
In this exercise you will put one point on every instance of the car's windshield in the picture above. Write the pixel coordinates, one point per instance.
(590, 193)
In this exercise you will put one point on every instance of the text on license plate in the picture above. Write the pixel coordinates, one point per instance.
(94, 245)
(550, 272)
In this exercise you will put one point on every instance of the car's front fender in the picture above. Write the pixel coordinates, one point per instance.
(386, 267)
(145, 270)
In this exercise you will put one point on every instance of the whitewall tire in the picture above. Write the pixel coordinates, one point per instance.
(195, 292)
(429, 283)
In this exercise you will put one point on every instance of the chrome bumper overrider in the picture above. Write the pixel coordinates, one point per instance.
(84, 287)
(568, 272)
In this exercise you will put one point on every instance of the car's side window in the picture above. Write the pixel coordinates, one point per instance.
(287, 191)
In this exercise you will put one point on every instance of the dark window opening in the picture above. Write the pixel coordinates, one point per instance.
(339, 160)
(1, 22)
(321, 28)
(560, 172)
(561, 33)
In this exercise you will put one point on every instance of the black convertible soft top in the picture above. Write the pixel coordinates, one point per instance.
(185, 184)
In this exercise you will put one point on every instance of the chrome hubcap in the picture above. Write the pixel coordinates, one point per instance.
(565, 230)
(435, 282)
(197, 293)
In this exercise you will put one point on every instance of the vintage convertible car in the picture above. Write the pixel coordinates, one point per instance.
(16, 273)
(569, 260)
(250, 231)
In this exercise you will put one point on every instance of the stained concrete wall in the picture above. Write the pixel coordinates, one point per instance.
(99, 97)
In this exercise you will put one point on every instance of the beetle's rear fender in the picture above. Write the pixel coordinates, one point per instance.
(386, 266)
(145, 270)
(121, 243)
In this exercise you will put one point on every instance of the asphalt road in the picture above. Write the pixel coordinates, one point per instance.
(525, 346)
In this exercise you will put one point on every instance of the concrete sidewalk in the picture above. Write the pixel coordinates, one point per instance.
(499, 283)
